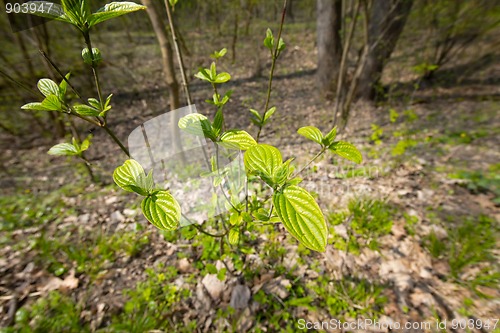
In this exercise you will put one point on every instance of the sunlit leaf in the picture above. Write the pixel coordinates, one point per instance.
(114, 9)
(237, 139)
(52, 103)
(328, 139)
(127, 175)
(234, 236)
(301, 217)
(64, 149)
(263, 159)
(85, 110)
(34, 106)
(197, 124)
(222, 77)
(48, 87)
(162, 210)
(347, 151)
(312, 133)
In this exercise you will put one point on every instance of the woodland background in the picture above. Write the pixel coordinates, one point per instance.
(414, 228)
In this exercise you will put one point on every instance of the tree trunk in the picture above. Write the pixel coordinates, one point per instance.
(386, 22)
(168, 69)
(166, 54)
(329, 23)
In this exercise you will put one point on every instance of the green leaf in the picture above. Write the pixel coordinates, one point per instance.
(78, 11)
(95, 103)
(162, 210)
(63, 86)
(281, 45)
(218, 121)
(48, 87)
(237, 139)
(219, 54)
(108, 100)
(128, 175)
(197, 124)
(87, 57)
(34, 106)
(269, 113)
(222, 77)
(302, 217)
(328, 139)
(85, 110)
(173, 2)
(64, 149)
(203, 75)
(269, 40)
(312, 133)
(256, 114)
(234, 236)
(263, 159)
(347, 151)
(47, 9)
(52, 103)
(86, 143)
(213, 72)
(282, 173)
(114, 9)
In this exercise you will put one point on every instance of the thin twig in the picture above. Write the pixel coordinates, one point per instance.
(46, 57)
(178, 53)
(273, 64)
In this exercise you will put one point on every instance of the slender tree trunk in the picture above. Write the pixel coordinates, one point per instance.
(329, 23)
(387, 20)
(166, 54)
(168, 69)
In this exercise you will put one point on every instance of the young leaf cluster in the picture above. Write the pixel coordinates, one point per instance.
(158, 206)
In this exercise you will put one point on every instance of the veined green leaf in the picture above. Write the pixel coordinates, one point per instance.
(234, 236)
(311, 133)
(94, 102)
(63, 86)
(222, 77)
(47, 9)
(85, 110)
(162, 210)
(269, 40)
(127, 175)
(263, 159)
(282, 173)
(34, 106)
(213, 72)
(218, 121)
(328, 139)
(302, 217)
(87, 58)
(219, 54)
(197, 124)
(78, 11)
(269, 113)
(347, 151)
(63, 149)
(52, 103)
(203, 75)
(237, 139)
(256, 114)
(48, 87)
(281, 45)
(86, 143)
(114, 9)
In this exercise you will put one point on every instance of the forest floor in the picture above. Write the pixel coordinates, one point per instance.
(414, 229)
